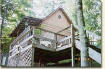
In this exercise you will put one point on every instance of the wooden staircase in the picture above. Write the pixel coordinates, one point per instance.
(93, 52)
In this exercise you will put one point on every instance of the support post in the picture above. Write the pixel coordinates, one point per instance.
(40, 62)
(72, 43)
(33, 61)
(91, 62)
(33, 49)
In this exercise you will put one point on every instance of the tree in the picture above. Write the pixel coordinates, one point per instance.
(12, 12)
(82, 34)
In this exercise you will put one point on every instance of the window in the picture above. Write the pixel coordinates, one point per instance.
(59, 16)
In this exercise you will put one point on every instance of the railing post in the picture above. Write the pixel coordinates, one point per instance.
(72, 43)
(56, 40)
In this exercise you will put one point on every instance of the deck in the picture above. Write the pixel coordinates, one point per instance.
(53, 51)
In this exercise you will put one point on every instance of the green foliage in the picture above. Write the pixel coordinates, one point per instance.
(92, 15)
(99, 44)
(38, 31)
(50, 63)
(12, 12)
(64, 61)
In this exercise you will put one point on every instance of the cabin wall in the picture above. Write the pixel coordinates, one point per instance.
(56, 22)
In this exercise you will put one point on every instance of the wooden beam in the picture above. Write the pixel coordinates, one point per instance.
(50, 31)
(64, 47)
(28, 47)
(26, 40)
(95, 48)
(45, 48)
(63, 39)
(63, 29)
(44, 38)
(95, 55)
(14, 48)
(13, 54)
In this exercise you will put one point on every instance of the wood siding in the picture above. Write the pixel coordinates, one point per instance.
(54, 24)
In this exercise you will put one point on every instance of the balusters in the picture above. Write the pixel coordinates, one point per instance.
(22, 36)
(91, 38)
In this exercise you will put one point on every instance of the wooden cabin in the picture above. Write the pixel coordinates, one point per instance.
(42, 41)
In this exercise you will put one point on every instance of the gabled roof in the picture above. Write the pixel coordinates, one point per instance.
(35, 22)
(59, 8)
(64, 14)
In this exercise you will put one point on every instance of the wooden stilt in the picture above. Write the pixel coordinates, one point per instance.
(72, 56)
(33, 50)
(90, 62)
(72, 48)
(45, 64)
(39, 62)
(33, 60)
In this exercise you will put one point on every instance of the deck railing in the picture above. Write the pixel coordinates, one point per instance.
(43, 40)
(64, 41)
(92, 38)
(21, 42)
(22, 36)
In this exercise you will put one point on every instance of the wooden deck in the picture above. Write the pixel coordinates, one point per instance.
(55, 51)
(56, 54)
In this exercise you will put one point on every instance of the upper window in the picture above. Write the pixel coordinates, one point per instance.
(59, 16)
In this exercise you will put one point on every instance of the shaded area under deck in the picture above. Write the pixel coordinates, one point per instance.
(44, 56)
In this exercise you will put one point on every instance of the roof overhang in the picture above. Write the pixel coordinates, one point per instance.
(21, 26)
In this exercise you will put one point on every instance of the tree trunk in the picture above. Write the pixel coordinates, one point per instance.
(82, 34)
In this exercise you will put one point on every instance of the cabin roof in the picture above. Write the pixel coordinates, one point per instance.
(35, 22)
(21, 26)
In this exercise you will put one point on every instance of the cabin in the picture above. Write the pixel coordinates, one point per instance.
(42, 41)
